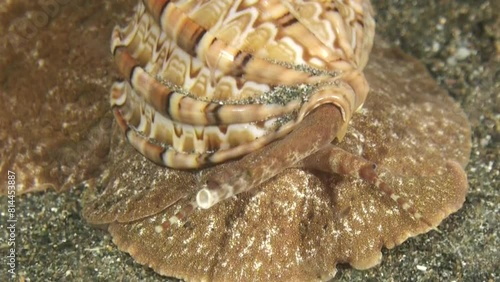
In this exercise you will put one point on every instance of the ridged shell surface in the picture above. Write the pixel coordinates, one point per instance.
(208, 81)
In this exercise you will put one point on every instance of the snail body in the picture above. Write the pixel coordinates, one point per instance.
(206, 82)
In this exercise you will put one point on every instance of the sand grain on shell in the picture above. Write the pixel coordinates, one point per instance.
(55, 229)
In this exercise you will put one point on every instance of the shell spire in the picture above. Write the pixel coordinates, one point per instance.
(210, 81)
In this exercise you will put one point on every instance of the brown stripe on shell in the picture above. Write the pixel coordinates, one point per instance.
(288, 26)
(156, 7)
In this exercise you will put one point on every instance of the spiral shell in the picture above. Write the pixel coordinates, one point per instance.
(208, 81)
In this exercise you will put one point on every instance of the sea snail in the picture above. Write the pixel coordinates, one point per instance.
(206, 82)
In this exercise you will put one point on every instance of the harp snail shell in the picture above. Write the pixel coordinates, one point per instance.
(210, 81)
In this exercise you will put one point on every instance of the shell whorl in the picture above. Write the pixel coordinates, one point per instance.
(208, 81)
